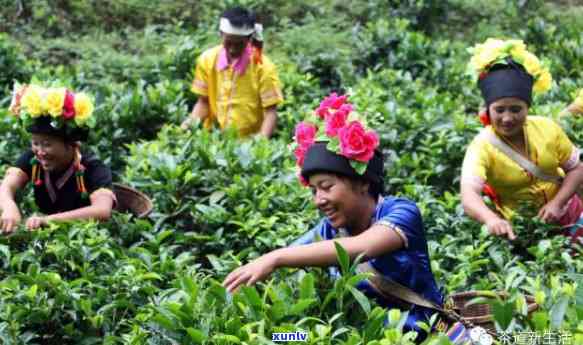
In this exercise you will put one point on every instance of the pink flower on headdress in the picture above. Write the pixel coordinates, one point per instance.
(356, 143)
(322, 112)
(331, 102)
(305, 135)
(337, 120)
(334, 101)
(69, 105)
(300, 153)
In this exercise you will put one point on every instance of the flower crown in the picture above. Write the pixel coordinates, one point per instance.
(32, 101)
(344, 130)
(496, 51)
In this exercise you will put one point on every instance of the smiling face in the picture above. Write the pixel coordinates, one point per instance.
(234, 45)
(344, 202)
(52, 152)
(508, 116)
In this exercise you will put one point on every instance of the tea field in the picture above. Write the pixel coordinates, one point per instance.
(221, 201)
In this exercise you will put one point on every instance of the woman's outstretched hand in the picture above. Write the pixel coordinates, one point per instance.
(249, 274)
(500, 227)
(10, 219)
(36, 222)
(551, 212)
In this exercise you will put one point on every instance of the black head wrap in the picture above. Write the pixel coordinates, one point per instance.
(320, 160)
(502, 81)
(49, 126)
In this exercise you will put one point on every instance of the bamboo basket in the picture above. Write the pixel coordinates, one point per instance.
(480, 314)
(132, 200)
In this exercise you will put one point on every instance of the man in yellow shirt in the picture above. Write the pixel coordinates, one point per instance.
(237, 85)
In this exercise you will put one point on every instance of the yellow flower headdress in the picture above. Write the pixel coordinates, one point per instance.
(54, 110)
(65, 108)
(497, 51)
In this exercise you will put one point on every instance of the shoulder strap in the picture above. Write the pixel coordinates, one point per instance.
(392, 288)
(518, 158)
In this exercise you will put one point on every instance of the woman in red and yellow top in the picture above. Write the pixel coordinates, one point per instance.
(237, 85)
(507, 77)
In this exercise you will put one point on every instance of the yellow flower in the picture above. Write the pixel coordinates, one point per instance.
(53, 101)
(516, 47)
(486, 53)
(543, 82)
(83, 108)
(531, 63)
(495, 51)
(32, 101)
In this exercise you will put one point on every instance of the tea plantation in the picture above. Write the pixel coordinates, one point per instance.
(221, 201)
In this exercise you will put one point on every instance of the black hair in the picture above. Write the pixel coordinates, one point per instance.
(240, 17)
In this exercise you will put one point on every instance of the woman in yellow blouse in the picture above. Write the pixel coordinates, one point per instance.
(508, 74)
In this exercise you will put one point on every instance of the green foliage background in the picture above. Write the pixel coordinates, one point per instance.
(220, 202)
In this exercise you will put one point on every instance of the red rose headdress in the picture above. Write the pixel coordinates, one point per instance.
(344, 133)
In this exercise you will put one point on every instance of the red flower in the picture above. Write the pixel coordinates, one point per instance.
(69, 105)
(305, 134)
(337, 120)
(356, 143)
(322, 112)
(300, 153)
(490, 193)
(333, 101)
(483, 75)
(484, 117)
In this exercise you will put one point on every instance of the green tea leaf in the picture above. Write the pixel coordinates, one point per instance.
(343, 258)
(360, 298)
(196, 335)
(502, 312)
(558, 312)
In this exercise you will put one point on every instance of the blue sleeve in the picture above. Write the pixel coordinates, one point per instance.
(405, 215)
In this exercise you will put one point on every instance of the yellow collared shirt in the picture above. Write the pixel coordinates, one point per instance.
(237, 99)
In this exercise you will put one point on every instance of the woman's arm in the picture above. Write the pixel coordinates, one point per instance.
(552, 211)
(13, 180)
(475, 207)
(100, 209)
(375, 241)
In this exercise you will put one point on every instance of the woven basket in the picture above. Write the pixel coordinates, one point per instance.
(480, 314)
(132, 200)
